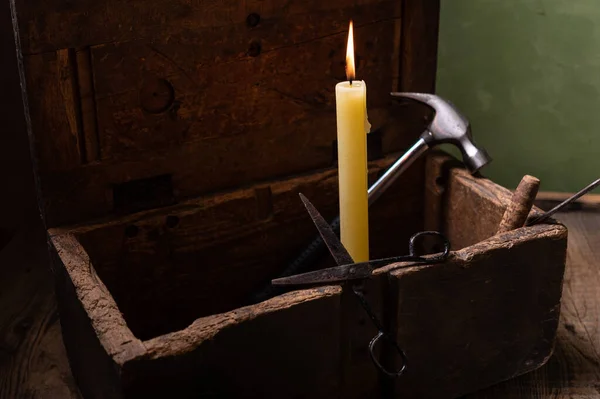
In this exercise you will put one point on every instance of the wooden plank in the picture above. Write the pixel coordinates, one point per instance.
(43, 24)
(102, 311)
(573, 369)
(480, 319)
(222, 91)
(51, 97)
(88, 129)
(438, 169)
(571, 372)
(161, 107)
(416, 57)
(167, 267)
(228, 355)
(115, 364)
(468, 338)
(467, 198)
(420, 29)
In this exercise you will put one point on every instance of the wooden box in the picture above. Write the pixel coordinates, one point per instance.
(171, 140)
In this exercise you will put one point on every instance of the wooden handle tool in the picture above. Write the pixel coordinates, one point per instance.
(520, 204)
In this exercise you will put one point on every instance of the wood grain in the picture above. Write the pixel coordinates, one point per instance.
(112, 112)
(520, 204)
(490, 311)
(574, 369)
(228, 355)
(419, 45)
(43, 23)
(217, 250)
(485, 320)
(572, 372)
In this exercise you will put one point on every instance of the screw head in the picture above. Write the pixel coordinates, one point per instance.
(252, 20)
(156, 95)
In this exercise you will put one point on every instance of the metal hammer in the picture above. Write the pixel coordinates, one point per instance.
(448, 126)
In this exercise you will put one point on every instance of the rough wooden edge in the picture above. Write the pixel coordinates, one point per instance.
(465, 255)
(203, 329)
(484, 250)
(104, 315)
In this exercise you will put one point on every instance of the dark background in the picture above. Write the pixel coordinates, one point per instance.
(32, 358)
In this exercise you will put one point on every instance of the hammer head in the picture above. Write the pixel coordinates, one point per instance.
(450, 126)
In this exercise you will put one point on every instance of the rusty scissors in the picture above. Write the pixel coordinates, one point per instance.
(348, 270)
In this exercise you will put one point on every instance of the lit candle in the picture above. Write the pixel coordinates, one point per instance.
(352, 129)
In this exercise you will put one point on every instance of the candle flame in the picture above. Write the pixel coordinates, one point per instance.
(350, 70)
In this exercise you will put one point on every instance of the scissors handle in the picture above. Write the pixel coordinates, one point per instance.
(413, 256)
(380, 334)
(432, 259)
(377, 338)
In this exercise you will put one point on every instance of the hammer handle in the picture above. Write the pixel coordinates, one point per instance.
(520, 204)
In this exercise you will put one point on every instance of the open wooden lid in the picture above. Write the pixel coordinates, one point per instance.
(138, 105)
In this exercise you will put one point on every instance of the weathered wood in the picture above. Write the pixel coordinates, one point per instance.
(228, 355)
(167, 267)
(51, 95)
(198, 359)
(103, 313)
(573, 369)
(416, 55)
(109, 362)
(471, 314)
(419, 45)
(479, 319)
(227, 113)
(438, 167)
(468, 198)
(183, 140)
(43, 24)
(520, 204)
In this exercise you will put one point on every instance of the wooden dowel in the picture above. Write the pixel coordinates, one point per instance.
(520, 204)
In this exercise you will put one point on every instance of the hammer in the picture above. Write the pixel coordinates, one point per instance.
(447, 126)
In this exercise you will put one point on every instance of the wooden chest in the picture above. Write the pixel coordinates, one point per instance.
(171, 140)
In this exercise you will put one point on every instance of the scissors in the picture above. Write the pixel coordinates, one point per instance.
(348, 270)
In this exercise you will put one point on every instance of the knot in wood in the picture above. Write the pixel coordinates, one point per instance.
(252, 20)
(157, 95)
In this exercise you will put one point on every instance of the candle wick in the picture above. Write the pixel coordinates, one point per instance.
(350, 82)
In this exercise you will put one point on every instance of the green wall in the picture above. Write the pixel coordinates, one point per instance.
(527, 75)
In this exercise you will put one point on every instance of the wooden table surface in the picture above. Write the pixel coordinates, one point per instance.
(33, 362)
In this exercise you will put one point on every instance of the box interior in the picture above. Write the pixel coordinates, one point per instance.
(167, 267)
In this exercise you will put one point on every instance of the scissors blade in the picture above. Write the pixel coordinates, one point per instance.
(335, 246)
(330, 275)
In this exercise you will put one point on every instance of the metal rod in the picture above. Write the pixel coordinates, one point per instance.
(546, 215)
(397, 168)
